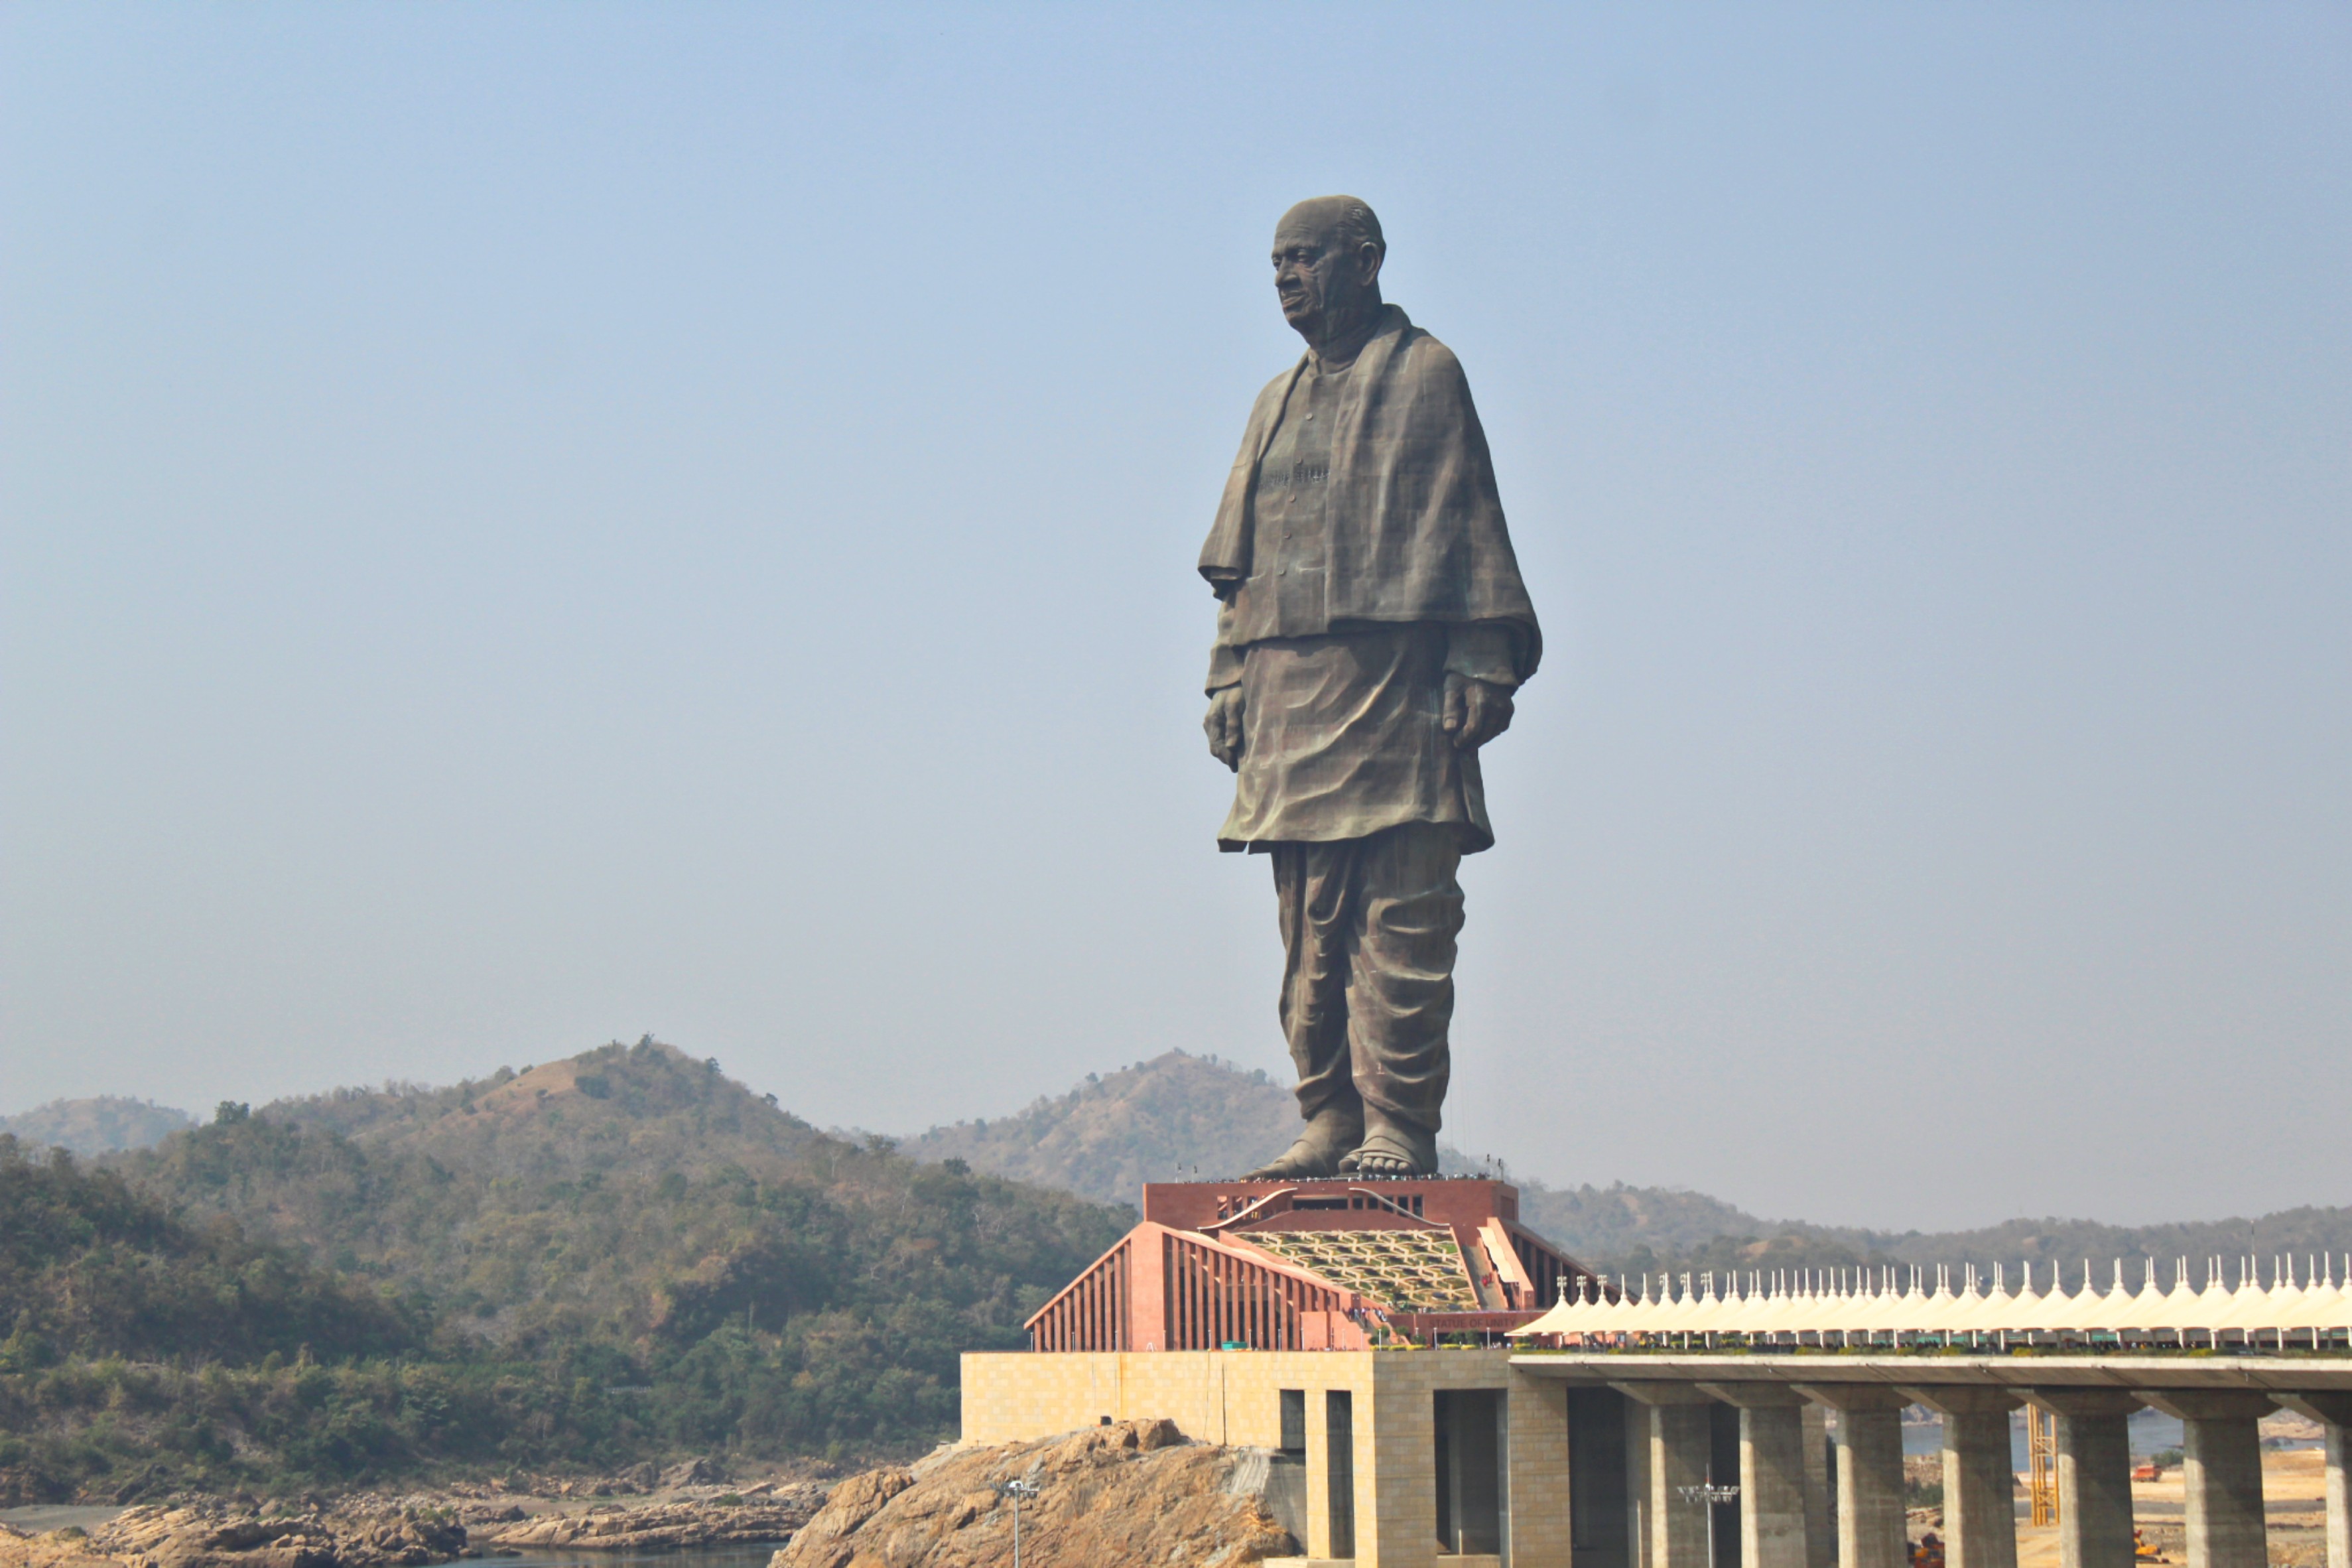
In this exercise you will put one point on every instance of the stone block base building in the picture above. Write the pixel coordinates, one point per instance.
(1359, 1335)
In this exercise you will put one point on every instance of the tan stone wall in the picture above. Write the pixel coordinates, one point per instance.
(1216, 1396)
(1233, 1396)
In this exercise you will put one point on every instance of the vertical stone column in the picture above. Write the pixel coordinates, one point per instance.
(2334, 1412)
(2094, 1507)
(1820, 1531)
(1980, 1487)
(1772, 1523)
(1680, 1435)
(1538, 1504)
(1869, 1472)
(1396, 1462)
(2222, 1473)
(1318, 1540)
(1637, 1484)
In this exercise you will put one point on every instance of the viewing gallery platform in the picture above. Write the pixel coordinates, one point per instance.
(1360, 1333)
(1335, 1264)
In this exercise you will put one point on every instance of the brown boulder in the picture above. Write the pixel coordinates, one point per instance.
(230, 1535)
(51, 1549)
(852, 1502)
(1133, 1492)
(664, 1526)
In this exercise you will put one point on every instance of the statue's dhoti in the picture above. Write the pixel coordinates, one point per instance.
(1368, 934)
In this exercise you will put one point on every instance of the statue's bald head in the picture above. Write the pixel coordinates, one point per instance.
(1327, 252)
(1347, 220)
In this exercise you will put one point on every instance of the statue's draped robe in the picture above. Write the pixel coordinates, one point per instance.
(1417, 528)
(1359, 556)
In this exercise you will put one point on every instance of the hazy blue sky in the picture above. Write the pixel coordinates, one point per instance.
(531, 524)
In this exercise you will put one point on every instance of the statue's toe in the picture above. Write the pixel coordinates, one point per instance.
(1384, 1154)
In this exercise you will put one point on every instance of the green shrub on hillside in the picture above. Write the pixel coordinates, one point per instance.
(88, 1266)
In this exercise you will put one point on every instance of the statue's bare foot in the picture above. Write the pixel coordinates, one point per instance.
(1305, 1161)
(1317, 1153)
(1392, 1151)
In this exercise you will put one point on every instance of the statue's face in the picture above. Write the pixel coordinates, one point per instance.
(1322, 284)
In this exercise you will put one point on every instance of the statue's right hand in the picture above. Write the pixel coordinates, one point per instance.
(1223, 726)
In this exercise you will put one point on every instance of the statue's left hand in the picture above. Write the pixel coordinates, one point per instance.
(1224, 725)
(1476, 712)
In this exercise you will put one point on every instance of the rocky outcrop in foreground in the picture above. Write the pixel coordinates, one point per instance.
(661, 1526)
(51, 1549)
(1136, 1493)
(214, 1535)
(376, 1531)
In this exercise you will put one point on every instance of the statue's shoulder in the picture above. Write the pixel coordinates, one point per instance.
(1419, 353)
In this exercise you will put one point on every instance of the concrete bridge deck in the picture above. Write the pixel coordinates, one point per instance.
(2262, 1374)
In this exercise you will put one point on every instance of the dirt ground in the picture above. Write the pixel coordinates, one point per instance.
(2294, 1484)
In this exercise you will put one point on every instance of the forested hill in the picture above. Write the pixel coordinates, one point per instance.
(101, 1125)
(91, 1267)
(1179, 1113)
(620, 1256)
(627, 1192)
(1170, 1118)
(1106, 1136)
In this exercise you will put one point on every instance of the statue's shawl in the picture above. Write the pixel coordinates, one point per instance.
(1416, 529)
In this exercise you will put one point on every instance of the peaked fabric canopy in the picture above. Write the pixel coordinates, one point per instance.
(1872, 1302)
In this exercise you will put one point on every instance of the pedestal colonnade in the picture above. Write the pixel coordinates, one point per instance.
(1673, 1399)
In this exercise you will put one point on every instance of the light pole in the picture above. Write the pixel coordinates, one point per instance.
(1707, 1494)
(1016, 1490)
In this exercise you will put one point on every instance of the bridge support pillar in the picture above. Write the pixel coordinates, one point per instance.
(1820, 1533)
(1679, 1419)
(2094, 1506)
(1870, 1532)
(2334, 1412)
(1772, 1520)
(2222, 1473)
(1980, 1487)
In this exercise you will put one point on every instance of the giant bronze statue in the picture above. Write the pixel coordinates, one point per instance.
(1371, 627)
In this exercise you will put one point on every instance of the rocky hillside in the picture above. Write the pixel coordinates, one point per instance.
(1166, 1120)
(1134, 1492)
(101, 1126)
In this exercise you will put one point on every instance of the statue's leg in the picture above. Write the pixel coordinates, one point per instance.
(1400, 994)
(1312, 884)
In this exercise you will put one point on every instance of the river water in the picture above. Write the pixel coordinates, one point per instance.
(2151, 1432)
(754, 1556)
(56, 1516)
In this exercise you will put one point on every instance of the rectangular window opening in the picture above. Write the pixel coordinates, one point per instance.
(1293, 1420)
(1598, 1499)
(1470, 1459)
(1339, 1467)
